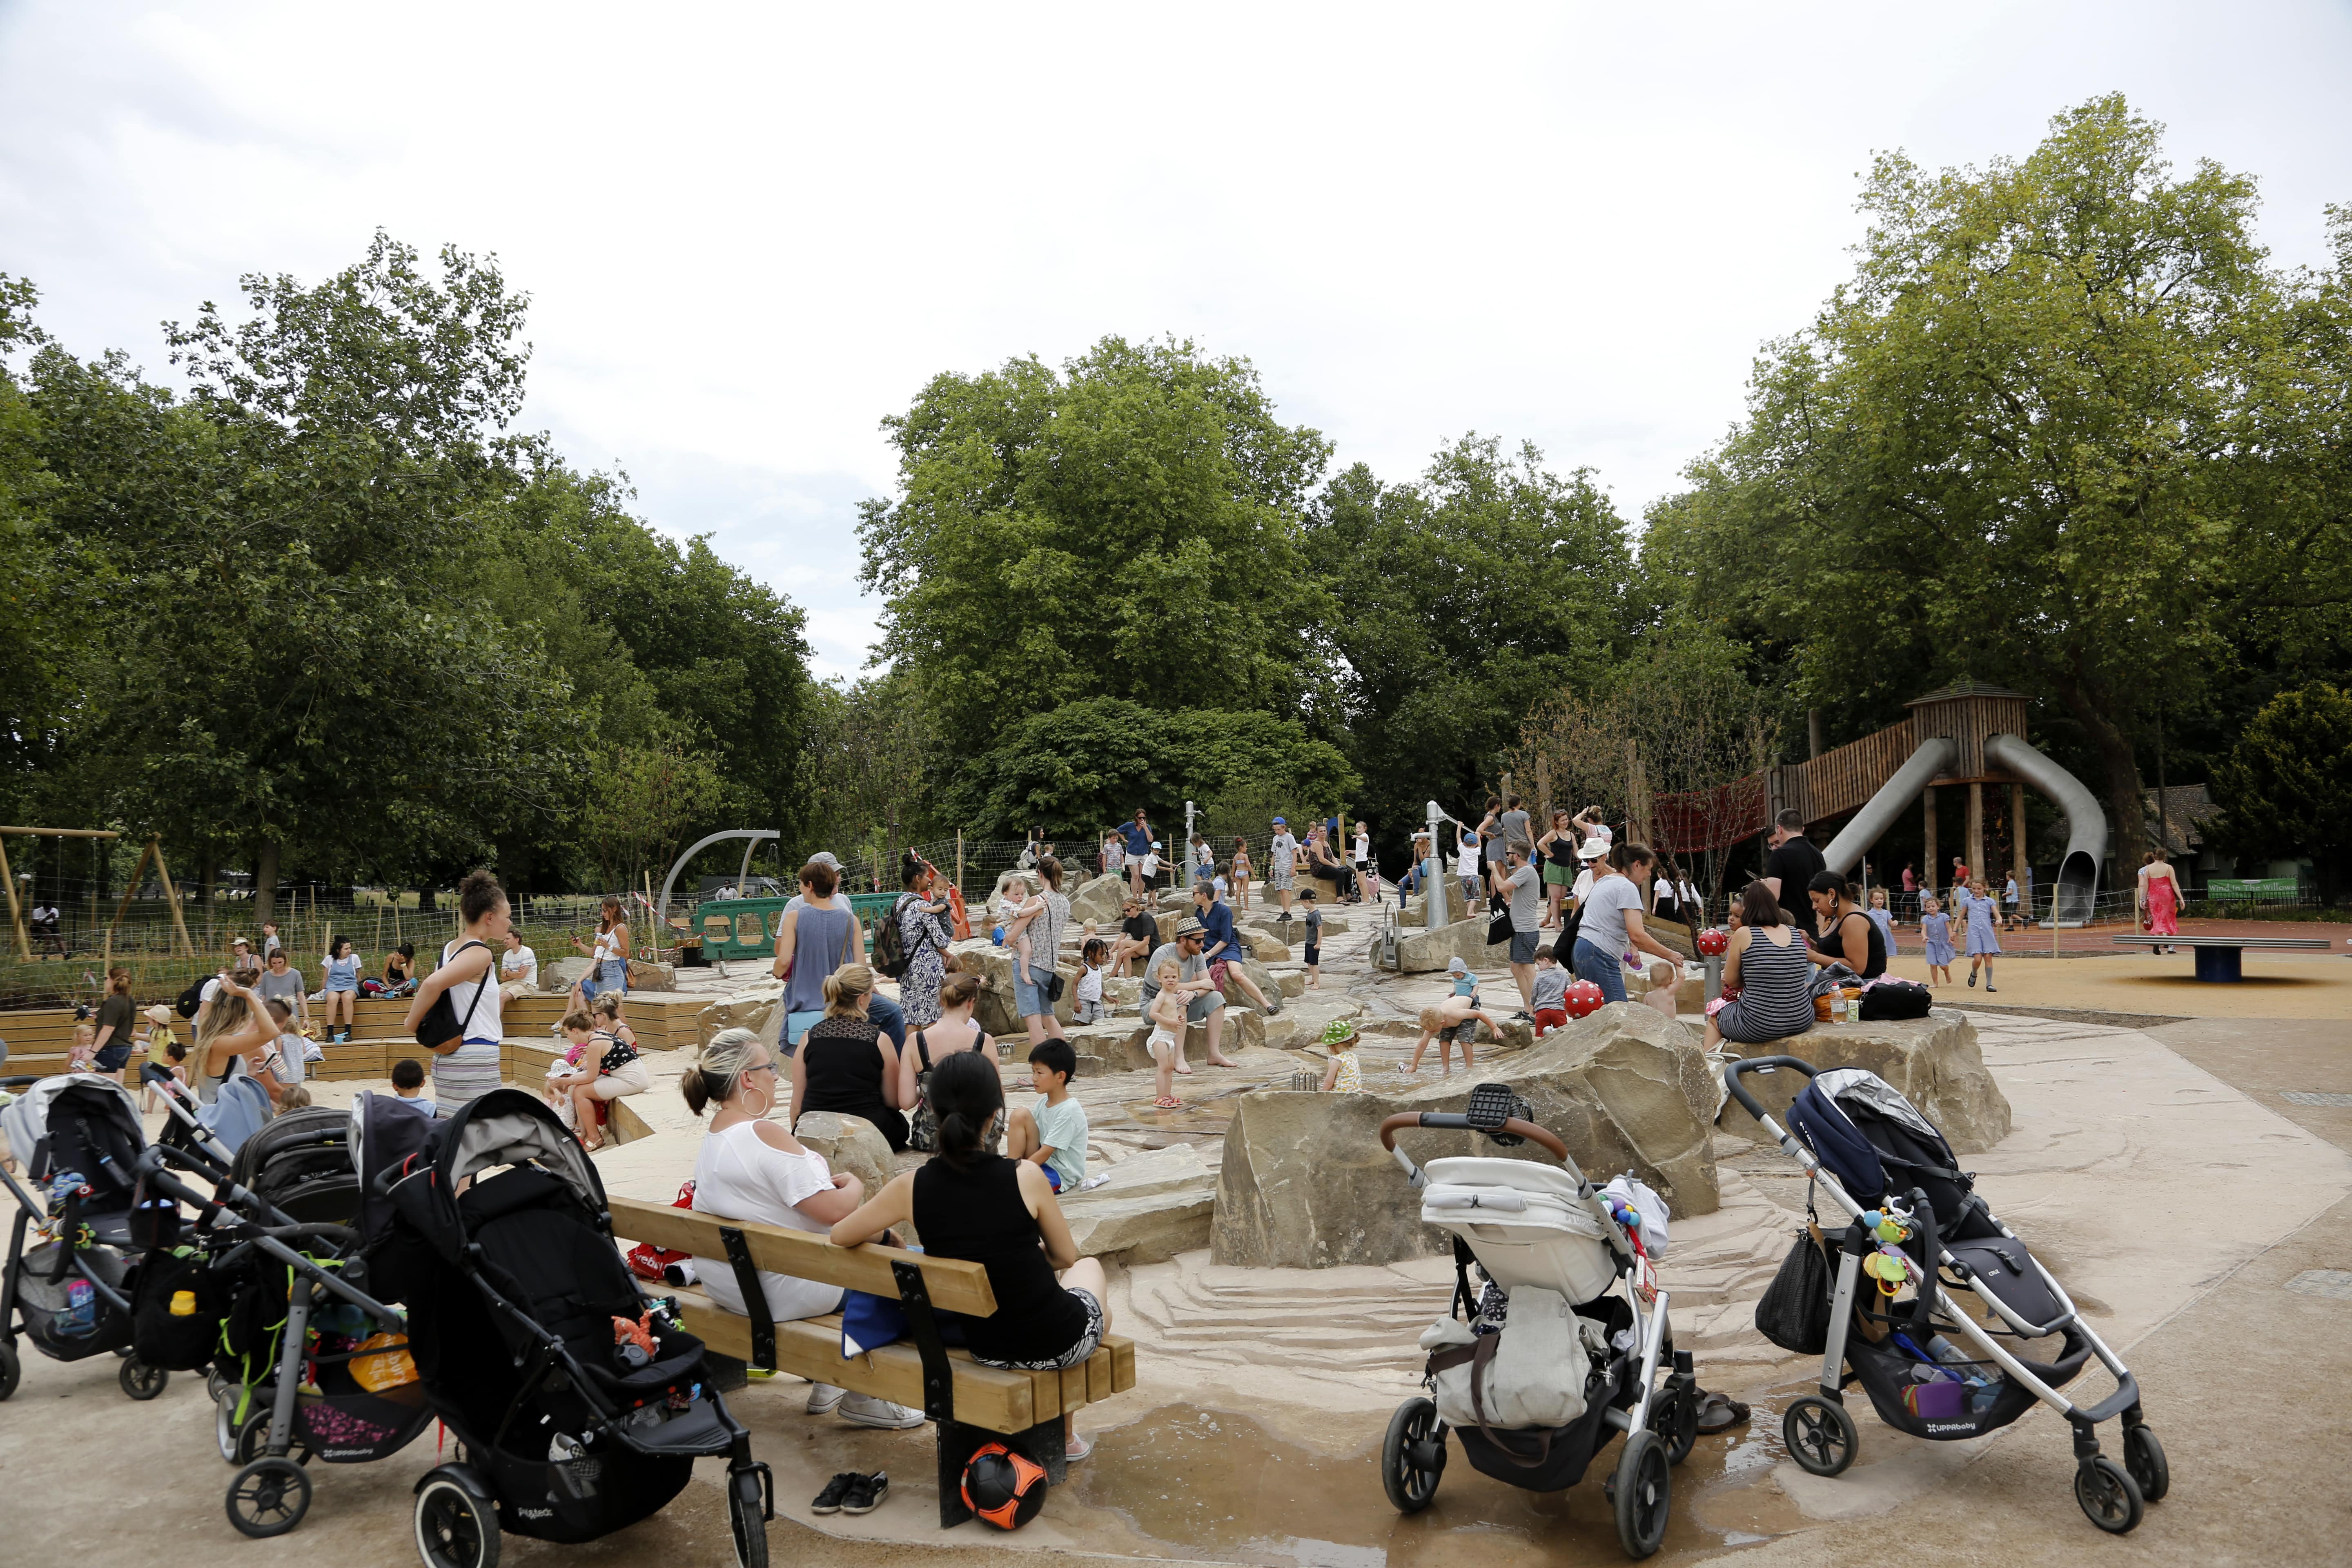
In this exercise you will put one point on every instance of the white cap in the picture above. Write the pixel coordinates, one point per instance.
(1455, 966)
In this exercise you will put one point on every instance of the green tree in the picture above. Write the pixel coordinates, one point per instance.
(295, 653)
(2285, 791)
(1463, 603)
(2023, 443)
(1124, 528)
(1083, 766)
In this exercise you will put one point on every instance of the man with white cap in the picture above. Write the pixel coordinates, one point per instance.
(1282, 863)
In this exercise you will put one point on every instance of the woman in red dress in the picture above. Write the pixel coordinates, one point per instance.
(2160, 891)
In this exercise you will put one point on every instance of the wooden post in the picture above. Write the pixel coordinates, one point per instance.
(1928, 825)
(2017, 831)
(16, 914)
(958, 881)
(172, 895)
(1976, 831)
(107, 953)
(1543, 790)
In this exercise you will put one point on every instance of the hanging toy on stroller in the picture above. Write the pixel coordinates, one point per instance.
(1862, 1142)
(81, 1136)
(1537, 1372)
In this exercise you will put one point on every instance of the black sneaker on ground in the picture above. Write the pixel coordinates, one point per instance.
(1523, 1017)
(835, 1490)
(867, 1492)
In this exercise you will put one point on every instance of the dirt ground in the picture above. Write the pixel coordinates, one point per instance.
(2201, 1164)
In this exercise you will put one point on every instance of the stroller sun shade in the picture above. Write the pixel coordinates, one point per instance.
(504, 1127)
(1856, 1125)
(90, 1124)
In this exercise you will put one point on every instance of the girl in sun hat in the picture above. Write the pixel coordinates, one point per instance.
(1344, 1075)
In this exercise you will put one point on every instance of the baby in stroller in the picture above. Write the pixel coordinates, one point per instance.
(1539, 1369)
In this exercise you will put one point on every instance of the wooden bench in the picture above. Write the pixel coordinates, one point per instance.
(971, 1405)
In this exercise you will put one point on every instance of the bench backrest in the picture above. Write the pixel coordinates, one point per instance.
(954, 1285)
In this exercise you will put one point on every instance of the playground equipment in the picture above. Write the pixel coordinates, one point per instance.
(1962, 734)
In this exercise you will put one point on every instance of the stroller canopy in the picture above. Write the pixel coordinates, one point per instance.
(300, 1164)
(504, 1127)
(1857, 1126)
(90, 1125)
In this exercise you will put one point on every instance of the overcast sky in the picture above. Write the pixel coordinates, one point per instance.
(750, 232)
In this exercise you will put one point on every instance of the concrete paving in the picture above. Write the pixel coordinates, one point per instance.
(2188, 1180)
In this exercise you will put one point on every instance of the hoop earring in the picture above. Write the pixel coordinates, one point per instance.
(769, 1102)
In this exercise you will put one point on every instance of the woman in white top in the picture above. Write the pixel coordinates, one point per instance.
(752, 1169)
(517, 968)
(467, 1068)
(608, 960)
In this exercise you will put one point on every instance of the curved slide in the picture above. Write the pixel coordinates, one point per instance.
(2087, 824)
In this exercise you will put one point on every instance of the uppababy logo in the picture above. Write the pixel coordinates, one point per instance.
(536, 1512)
(346, 1453)
(1951, 1425)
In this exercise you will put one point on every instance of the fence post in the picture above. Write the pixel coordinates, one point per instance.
(958, 881)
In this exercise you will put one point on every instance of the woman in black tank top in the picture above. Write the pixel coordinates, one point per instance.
(1850, 937)
(1001, 1213)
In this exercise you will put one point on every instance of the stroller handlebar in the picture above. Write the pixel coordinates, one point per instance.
(1738, 1092)
(1454, 1121)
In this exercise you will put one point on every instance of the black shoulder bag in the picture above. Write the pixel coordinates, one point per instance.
(441, 1031)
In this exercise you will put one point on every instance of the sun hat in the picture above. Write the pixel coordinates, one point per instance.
(1338, 1032)
(1187, 926)
(824, 857)
(1455, 966)
(1591, 850)
(158, 1013)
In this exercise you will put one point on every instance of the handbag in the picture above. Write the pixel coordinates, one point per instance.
(1794, 1310)
(1498, 921)
(1890, 998)
(441, 1031)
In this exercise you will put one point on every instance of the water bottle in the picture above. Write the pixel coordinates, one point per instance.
(79, 1319)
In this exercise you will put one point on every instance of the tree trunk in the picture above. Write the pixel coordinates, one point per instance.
(265, 885)
(2126, 803)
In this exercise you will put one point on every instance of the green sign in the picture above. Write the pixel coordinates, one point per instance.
(746, 928)
(2251, 888)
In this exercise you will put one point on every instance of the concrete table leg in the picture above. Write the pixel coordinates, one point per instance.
(2220, 964)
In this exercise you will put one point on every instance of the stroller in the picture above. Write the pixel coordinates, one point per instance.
(1864, 1143)
(80, 1138)
(580, 1411)
(1525, 1224)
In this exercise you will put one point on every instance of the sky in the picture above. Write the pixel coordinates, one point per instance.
(750, 232)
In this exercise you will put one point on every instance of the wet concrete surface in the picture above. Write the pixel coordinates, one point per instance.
(1213, 1485)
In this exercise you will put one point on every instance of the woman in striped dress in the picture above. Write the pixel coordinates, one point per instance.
(468, 1070)
(1767, 964)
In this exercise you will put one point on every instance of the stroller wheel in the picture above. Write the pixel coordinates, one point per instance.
(253, 1440)
(749, 1509)
(11, 1369)
(141, 1381)
(1674, 1417)
(225, 1426)
(2144, 1458)
(268, 1497)
(1412, 1456)
(1820, 1435)
(2110, 1498)
(1643, 1490)
(456, 1527)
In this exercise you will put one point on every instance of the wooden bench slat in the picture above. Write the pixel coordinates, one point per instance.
(987, 1396)
(955, 1286)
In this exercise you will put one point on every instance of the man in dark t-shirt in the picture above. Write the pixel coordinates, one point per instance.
(1788, 870)
(1139, 933)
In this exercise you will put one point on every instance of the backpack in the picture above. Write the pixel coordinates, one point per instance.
(891, 956)
(191, 999)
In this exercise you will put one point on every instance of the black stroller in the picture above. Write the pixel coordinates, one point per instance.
(304, 1363)
(1864, 1143)
(1521, 1224)
(80, 1138)
(579, 1410)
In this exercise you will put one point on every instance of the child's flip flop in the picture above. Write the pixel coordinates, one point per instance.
(1170, 1103)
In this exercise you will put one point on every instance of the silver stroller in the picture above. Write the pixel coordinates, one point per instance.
(1914, 1224)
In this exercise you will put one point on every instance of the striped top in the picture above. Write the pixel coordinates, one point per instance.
(1776, 988)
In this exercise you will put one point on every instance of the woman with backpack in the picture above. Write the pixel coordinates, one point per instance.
(923, 929)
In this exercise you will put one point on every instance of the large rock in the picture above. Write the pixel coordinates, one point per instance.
(1305, 1183)
(1934, 1062)
(1265, 948)
(1432, 949)
(645, 977)
(757, 1007)
(849, 1143)
(1154, 1206)
(1099, 901)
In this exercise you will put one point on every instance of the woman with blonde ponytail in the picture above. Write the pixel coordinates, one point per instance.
(846, 1063)
(751, 1170)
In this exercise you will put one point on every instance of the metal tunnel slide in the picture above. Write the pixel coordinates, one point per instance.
(2087, 824)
